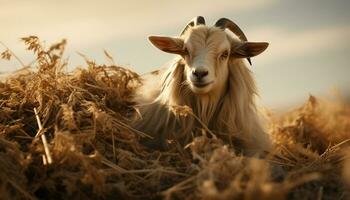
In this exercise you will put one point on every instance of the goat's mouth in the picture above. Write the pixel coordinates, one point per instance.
(201, 84)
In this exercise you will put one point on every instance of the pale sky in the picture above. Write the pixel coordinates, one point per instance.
(309, 40)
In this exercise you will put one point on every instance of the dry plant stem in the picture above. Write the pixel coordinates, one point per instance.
(204, 126)
(44, 159)
(14, 55)
(43, 139)
(320, 193)
(140, 171)
(178, 187)
(114, 153)
(25, 193)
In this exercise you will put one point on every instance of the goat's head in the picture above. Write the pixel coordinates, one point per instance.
(207, 52)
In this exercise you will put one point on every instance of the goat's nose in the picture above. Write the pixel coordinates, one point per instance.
(199, 73)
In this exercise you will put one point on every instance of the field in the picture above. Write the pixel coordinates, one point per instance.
(92, 153)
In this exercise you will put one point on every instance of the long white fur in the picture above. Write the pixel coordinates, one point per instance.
(228, 110)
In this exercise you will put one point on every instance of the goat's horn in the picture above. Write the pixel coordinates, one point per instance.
(226, 23)
(194, 22)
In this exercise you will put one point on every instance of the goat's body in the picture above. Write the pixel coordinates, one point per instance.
(231, 114)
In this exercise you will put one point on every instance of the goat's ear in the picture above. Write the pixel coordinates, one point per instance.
(168, 44)
(249, 49)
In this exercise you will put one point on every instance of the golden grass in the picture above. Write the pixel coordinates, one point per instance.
(96, 155)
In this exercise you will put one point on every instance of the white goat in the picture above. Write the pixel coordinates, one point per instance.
(211, 78)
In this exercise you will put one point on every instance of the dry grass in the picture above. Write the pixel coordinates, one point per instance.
(96, 155)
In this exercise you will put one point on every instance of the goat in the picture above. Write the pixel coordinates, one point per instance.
(210, 76)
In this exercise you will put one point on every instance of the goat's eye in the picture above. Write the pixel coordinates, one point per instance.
(224, 55)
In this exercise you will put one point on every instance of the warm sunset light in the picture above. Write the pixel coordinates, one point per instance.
(157, 99)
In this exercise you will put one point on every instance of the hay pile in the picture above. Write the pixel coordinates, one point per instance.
(96, 155)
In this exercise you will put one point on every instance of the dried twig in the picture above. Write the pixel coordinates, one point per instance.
(43, 139)
(14, 55)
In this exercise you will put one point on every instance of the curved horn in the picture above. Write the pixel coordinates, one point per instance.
(194, 22)
(226, 23)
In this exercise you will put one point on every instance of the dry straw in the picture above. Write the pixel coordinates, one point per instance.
(94, 154)
(47, 158)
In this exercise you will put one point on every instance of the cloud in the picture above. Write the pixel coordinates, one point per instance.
(84, 22)
(292, 44)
